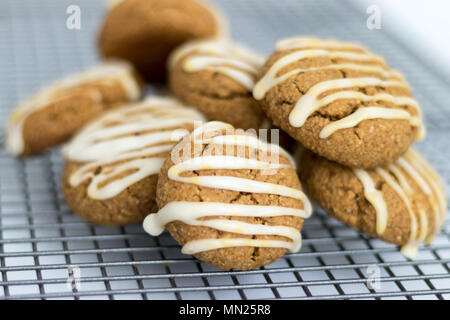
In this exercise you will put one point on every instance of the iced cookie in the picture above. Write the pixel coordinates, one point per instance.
(340, 101)
(112, 165)
(217, 78)
(402, 203)
(55, 113)
(146, 31)
(230, 199)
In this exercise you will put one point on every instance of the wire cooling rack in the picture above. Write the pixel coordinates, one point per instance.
(46, 252)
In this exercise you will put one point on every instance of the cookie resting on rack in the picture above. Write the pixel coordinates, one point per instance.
(403, 203)
(112, 165)
(340, 101)
(55, 113)
(230, 199)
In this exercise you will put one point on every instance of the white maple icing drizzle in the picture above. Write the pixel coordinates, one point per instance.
(310, 102)
(375, 197)
(192, 213)
(430, 184)
(364, 114)
(126, 143)
(416, 168)
(108, 72)
(221, 56)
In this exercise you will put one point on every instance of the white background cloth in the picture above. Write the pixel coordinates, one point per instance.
(426, 21)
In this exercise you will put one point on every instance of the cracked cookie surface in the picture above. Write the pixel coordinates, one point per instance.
(129, 206)
(195, 194)
(216, 77)
(340, 101)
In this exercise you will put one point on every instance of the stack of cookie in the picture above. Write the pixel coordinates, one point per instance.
(225, 194)
(358, 119)
(135, 52)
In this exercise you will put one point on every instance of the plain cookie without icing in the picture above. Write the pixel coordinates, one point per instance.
(144, 32)
(340, 101)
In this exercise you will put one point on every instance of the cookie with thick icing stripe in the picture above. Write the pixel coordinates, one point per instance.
(55, 113)
(403, 203)
(217, 78)
(144, 32)
(340, 101)
(112, 165)
(230, 199)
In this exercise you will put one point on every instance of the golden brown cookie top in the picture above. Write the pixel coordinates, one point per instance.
(128, 144)
(144, 32)
(407, 197)
(342, 81)
(206, 14)
(223, 161)
(86, 82)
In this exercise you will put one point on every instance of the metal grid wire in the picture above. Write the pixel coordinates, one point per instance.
(40, 237)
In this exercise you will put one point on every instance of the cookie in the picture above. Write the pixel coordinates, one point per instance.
(55, 113)
(267, 132)
(230, 199)
(340, 101)
(217, 78)
(146, 31)
(112, 165)
(403, 203)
